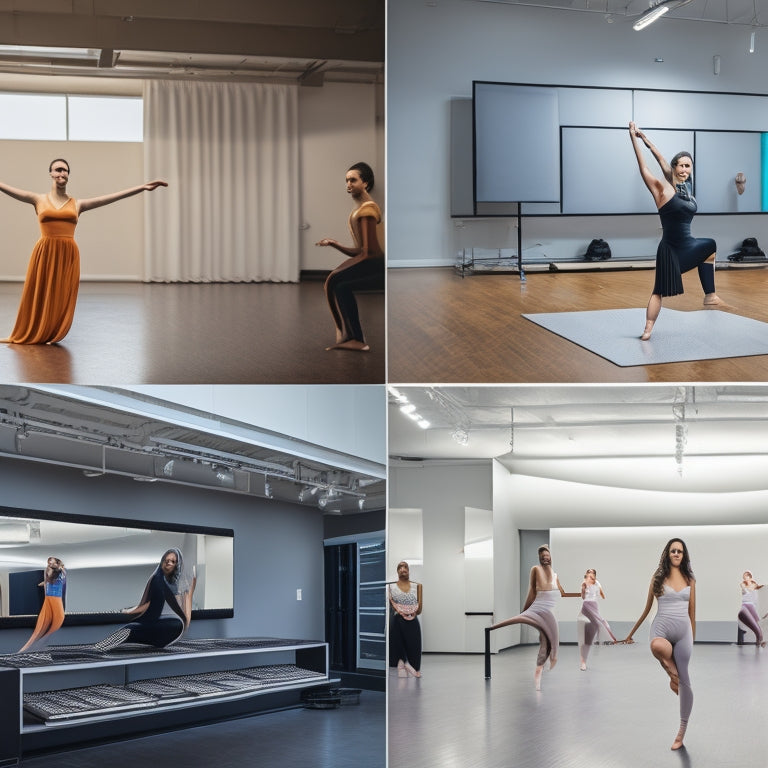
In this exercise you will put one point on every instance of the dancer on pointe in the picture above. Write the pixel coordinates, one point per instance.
(748, 615)
(674, 628)
(543, 591)
(591, 590)
(678, 250)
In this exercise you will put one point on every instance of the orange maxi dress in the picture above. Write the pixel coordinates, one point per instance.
(53, 277)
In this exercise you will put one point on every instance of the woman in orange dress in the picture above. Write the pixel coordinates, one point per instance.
(51, 615)
(53, 275)
(364, 269)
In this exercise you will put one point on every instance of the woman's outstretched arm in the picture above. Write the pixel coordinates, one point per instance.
(97, 202)
(657, 187)
(646, 611)
(20, 194)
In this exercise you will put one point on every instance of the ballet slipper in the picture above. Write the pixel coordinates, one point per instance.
(537, 677)
(411, 671)
(401, 672)
(678, 742)
(648, 330)
(583, 667)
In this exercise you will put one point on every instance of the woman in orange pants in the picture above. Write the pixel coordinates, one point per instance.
(51, 615)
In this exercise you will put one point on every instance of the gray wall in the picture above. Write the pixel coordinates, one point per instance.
(493, 41)
(278, 546)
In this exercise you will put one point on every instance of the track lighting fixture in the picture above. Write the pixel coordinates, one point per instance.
(657, 9)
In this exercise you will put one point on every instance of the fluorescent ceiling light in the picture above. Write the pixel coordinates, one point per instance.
(650, 16)
(36, 51)
(657, 10)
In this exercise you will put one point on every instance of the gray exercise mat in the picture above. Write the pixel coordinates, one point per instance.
(677, 337)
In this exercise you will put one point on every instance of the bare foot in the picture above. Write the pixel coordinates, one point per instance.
(583, 666)
(648, 329)
(713, 301)
(671, 670)
(353, 344)
(537, 677)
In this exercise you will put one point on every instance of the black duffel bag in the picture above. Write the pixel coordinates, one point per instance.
(598, 250)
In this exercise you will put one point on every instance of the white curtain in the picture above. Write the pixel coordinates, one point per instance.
(230, 153)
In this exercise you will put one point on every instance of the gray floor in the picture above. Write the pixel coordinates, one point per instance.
(677, 336)
(347, 737)
(620, 713)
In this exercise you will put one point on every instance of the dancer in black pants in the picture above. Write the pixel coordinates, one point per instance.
(404, 628)
(364, 269)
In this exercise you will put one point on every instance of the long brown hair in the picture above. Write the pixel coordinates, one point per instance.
(665, 567)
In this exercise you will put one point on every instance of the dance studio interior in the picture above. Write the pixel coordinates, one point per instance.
(215, 278)
(604, 476)
(275, 497)
(458, 309)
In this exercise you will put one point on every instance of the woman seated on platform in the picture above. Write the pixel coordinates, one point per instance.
(170, 585)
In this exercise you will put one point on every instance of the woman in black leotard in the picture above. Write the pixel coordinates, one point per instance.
(678, 250)
(169, 585)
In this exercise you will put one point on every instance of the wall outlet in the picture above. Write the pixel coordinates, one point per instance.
(298, 594)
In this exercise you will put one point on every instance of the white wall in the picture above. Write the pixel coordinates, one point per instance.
(436, 50)
(339, 124)
(442, 493)
(348, 418)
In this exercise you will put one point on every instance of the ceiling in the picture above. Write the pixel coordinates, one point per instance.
(742, 12)
(104, 431)
(694, 438)
(294, 40)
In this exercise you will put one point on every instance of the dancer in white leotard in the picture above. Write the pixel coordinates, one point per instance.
(749, 615)
(674, 628)
(591, 590)
(543, 591)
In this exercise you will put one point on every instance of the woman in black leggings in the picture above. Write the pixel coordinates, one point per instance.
(364, 267)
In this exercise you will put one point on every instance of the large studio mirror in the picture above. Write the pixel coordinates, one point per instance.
(108, 563)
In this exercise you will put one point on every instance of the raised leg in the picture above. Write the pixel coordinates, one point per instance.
(663, 650)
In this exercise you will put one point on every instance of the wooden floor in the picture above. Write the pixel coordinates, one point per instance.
(620, 713)
(348, 737)
(446, 329)
(137, 333)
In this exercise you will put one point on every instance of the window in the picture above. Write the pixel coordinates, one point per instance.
(71, 118)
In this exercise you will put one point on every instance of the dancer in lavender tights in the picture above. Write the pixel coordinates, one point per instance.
(543, 592)
(591, 590)
(674, 628)
(748, 615)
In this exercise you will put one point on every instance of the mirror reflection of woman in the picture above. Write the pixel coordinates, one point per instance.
(364, 267)
(748, 614)
(591, 591)
(171, 585)
(51, 615)
(404, 630)
(674, 628)
(53, 276)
